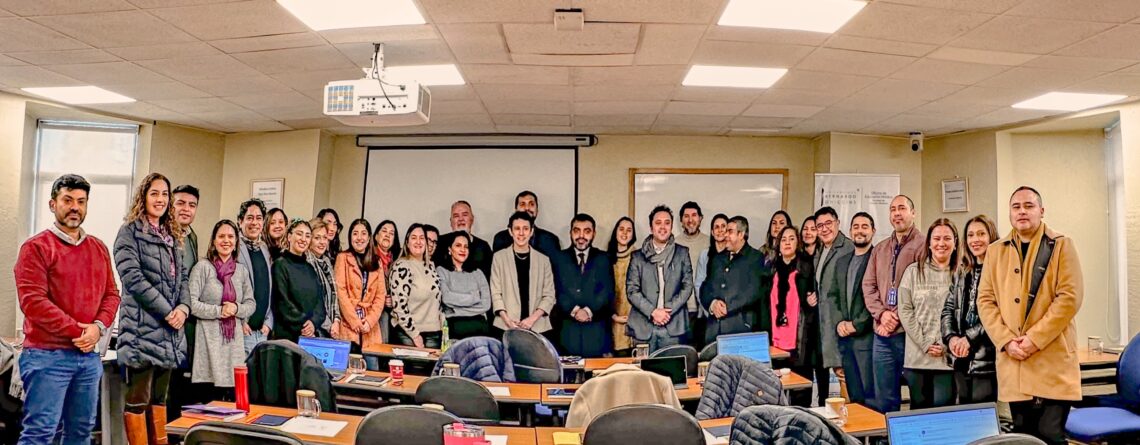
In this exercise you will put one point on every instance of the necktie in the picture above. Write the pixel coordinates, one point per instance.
(581, 262)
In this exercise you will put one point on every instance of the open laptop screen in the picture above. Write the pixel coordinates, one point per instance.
(332, 353)
(952, 425)
(753, 345)
(672, 367)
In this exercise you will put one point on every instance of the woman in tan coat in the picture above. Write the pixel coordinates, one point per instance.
(522, 283)
(361, 289)
(1037, 366)
(620, 247)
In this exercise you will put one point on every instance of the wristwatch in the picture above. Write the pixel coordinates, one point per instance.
(102, 328)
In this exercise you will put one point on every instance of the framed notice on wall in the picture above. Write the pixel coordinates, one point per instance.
(269, 191)
(955, 195)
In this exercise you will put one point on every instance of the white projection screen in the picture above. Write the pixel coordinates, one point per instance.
(419, 185)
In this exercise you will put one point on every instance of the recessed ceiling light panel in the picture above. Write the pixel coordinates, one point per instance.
(1061, 101)
(825, 16)
(80, 95)
(732, 76)
(339, 14)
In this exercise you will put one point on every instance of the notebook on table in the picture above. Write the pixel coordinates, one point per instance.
(672, 367)
(950, 425)
(753, 345)
(333, 354)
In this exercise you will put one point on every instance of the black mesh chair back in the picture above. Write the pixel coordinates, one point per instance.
(686, 351)
(708, 353)
(650, 424)
(226, 433)
(463, 397)
(535, 359)
(403, 425)
(1009, 439)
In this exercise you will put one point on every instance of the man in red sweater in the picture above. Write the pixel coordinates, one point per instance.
(67, 292)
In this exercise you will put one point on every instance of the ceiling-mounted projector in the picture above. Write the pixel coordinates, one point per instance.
(376, 102)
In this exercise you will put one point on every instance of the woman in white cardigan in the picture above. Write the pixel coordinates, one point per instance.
(522, 282)
(221, 297)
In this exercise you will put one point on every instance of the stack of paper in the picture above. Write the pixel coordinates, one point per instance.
(313, 427)
(411, 353)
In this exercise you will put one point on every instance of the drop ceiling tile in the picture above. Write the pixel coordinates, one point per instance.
(201, 67)
(773, 55)
(993, 96)
(266, 43)
(985, 57)
(475, 42)
(380, 34)
(312, 123)
(522, 75)
(456, 107)
(1028, 35)
(137, 110)
(65, 57)
(399, 53)
(312, 83)
(34, 76)
(270, 101)
(612, 129)
(847, 119)
(9, 61)
(955, 109)
(232, 20)
(922, 122)
(1117, 43)
(716, 94)
(853, 62)
(691, 120)
(463, 119)
(294, 112)
(823, 83)
(1042, 79)
(164, 51)
(491, 11)
(1005, 116)
(743, 123)
(527, 106)
(765, 35)
(531, 119)
(150, 4)
(239, 86)
(112, 29)
(453, 92)
(1066, 63)
(880, 102)
(776, 110)
(650, 11)
(631, 75)
(1113, 83)
(316, 58)
(880, 46)
(987, 6)
(573, 59)
(109, 72)
(686, 130)
(917, 89)
(904, 23)
(194, 107)
(623, 92)
(594, 38)
(960, 73)
(524, 92)
(705, 108)
(614, 120)
(787, 96)
(618, 107)
(18, 34)
(1108, 11)
(157, 90)
(29, 8)
(668, 44)
(543, 129)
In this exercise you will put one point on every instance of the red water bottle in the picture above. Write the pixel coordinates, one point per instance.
(241, 387)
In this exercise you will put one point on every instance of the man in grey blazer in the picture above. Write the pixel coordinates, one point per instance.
(254, 255)
(835, 245)
(658, 285)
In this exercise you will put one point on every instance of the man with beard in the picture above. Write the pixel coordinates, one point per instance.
(697, 242)
(852, 324)
(254, 255)
(584, 289)
(658, 285)
(731, 292)
(547, 243)
(67, 291)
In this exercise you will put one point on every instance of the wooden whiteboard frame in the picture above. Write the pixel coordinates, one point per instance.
(633, 172)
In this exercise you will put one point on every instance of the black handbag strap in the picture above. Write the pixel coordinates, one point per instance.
(1040, 264)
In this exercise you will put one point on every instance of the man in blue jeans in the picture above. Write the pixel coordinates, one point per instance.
(67, 292)
(880, 291)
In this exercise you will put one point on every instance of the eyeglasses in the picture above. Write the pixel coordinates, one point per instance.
(824, 225)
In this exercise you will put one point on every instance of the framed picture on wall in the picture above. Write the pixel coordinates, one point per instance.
(955, 195)
(269, 191)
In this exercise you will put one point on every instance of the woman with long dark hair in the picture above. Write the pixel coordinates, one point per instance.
(386, 241)
(717, 244)
(221, 297)
(809, 236)
(317, 257)
(155, 304)
(464, 289)
(922, 293)
(621, 245)
(792, 311)
(771, 247)
(298, 295)
(334, 226)
(276, 223)
(414, 286)
(361, 288)
(971, 352)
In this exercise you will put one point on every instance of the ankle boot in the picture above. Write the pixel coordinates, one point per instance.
(136, 429)
(157, 423)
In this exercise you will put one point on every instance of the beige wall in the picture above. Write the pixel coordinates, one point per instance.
(195, 157)
(1068, 169)
(12, 122)
(1130, 132)
(346, 188)
(972, 156)
(858, 153)
(293, 155)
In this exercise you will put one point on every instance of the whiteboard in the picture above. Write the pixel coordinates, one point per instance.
(849, 194)
(419, 185)
(754, 194)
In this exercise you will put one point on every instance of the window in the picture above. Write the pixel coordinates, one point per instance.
(102, 153)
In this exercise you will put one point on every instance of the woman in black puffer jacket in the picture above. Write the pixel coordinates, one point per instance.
(972, 353)
(148, 257)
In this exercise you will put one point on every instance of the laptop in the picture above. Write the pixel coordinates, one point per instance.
(672, 367)
(950, 425)
(333, 354)
(753, 345)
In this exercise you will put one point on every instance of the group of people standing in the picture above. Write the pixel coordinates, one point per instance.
(954, 316)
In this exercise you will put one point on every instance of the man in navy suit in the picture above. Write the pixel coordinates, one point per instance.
(584, 287)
